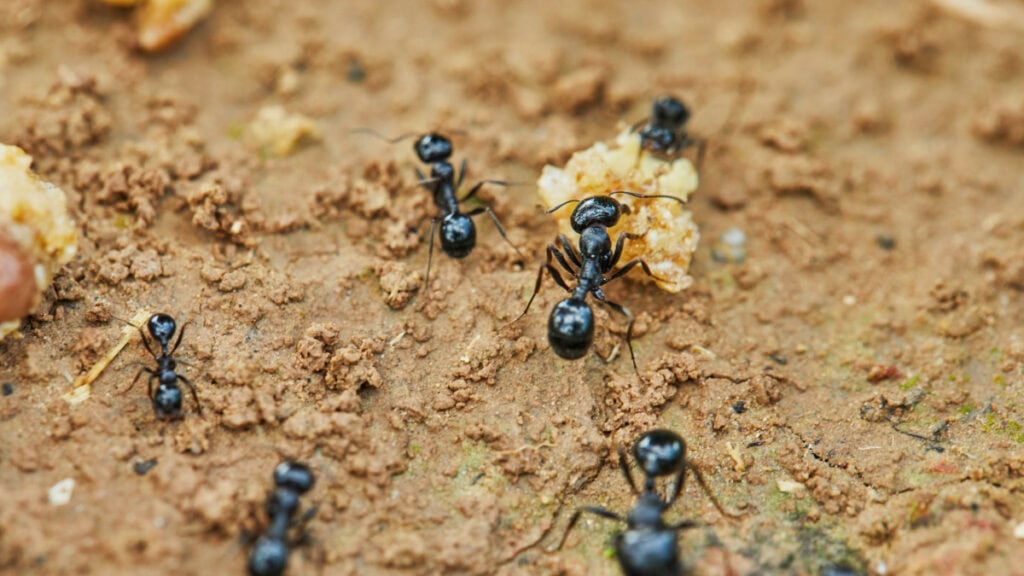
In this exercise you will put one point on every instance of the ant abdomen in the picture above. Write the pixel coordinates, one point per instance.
(458, 235)
(571, 328)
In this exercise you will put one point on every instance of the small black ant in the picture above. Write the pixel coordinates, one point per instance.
(571, 324)
(167, 398)
(649, 546)
(458, 232)
(665, 131)
(269, 556)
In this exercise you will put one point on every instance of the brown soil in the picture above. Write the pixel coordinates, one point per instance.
(873, 161)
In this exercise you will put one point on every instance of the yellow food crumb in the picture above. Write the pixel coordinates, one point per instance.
(34, 215)
(161, 22)
(280, 132)
(668, 235)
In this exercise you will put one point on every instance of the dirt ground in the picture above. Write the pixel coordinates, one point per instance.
(853, 386)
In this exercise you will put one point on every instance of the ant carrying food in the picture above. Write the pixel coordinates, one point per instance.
(167, 398)
(457, 230)
(571, 324)
(649, 546)
(665, 131)
(269, 556)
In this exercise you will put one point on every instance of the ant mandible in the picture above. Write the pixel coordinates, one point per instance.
(665, 131)
(167, 398)
(571, 324)
(457, 230)
(269, 556)
(649, 546)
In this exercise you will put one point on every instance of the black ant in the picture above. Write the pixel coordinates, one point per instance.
(649, 546)
(571, 324)
(167, 398)
(458, 232)
(665, 131)
(269, 556)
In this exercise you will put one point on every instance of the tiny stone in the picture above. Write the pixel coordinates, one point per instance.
(730, 247)
(143, 466)
(739, 407)
(779, 359)
(356, 71)
(60, 493)
(885, 242)
(8, 388)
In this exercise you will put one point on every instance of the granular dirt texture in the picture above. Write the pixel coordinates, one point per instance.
(851, 386)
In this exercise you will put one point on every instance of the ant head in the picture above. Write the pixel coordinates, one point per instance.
(669, 111)
(167, 401)
(433, 147)
(571, 328)
(458, 235)
(660, 452)
(603, 210)
(161, 328)
(269, 557)
(294, 476)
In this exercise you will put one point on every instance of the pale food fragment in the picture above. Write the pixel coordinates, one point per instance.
(37, 235)
(667, 234)
(280, 132)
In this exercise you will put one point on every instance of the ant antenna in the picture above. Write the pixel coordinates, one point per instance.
(374, 133)
(562, 205)
(636, 195)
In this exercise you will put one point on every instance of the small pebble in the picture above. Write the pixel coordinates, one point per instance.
(1018, 532)
(885, 242)
(8, 388)
(730, 247)
(739, 407)
(779, 359)
(356, 71)
(60, 493)
(143, 466)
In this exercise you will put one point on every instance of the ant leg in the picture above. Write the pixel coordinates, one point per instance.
(426, 182)
(637, 126)
(497, 224)
(300, 526)
(178, 341)
(462, 174)
(476, 187)
(570, 251)
(136, 379)
(149, 391)
(554, 209)
(707, 490)
(598, 510)
(702, 148)
(629, 266)
(145, 342)
(629, 327)
(540, 278)
(430, 252)
(195, 397)
(684, 525)
(678, 486)
(619, 243)
(624, 466)
(553, 250)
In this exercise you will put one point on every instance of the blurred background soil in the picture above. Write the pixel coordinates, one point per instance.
(849, 375)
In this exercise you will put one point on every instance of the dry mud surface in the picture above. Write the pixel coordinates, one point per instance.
(870, 151)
